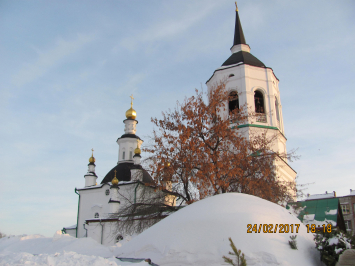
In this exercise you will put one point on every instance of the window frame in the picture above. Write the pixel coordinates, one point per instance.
(345, 208)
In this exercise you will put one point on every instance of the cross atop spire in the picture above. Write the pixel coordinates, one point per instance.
(238, 31)
(131, 100)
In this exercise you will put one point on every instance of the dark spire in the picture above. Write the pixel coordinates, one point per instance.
(238, 31)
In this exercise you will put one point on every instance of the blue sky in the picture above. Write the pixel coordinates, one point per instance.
(68, 67)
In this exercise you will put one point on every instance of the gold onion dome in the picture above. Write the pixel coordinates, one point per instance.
(115, 180)
(92, 159)
(131, 113)
(137, 150)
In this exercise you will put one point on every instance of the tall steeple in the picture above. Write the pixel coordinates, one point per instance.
(238, 31)
(252, 85)
(239, 44)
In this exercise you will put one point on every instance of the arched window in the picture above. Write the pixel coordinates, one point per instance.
(233, 101)
(107, 192)
(259, 102)
(123, 155)
(277, 109)
(97, 215)
(119, 238)
(130, 155)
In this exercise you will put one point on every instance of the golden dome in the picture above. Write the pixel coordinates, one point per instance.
(115, 180)
(92, 159)
(137, 150)
(131, 113)
(167, 164)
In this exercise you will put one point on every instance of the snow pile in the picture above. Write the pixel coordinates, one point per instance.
(59, 250)
(198, 235)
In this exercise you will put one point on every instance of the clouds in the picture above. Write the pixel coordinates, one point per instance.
(49, 58)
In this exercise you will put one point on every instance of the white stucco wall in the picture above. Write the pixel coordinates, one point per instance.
(246, 79)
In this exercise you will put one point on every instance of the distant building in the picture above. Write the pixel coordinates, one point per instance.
(347, 204)
(322, 208)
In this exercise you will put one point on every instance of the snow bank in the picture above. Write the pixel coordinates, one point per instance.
(198, 235)
(59, 250)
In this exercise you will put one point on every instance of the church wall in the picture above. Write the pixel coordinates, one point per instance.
(245, 81)
(71, 232)
(95, 200)
(104, 232)
(91, 201)
(128, 145)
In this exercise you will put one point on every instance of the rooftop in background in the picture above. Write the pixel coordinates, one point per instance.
(327, 195)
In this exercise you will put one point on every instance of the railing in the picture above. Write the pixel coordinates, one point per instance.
(261, 118)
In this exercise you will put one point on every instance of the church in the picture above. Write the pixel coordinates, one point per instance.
(249, 83)
(98, 201)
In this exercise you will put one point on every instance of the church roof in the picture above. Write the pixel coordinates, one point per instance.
(243, 57)
(124, 173)
(129, 136)
(238, 31)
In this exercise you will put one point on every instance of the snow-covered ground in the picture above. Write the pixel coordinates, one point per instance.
(59, 250)
(196, 235)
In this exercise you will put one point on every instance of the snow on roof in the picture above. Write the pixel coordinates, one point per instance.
(70, 227)
(352, 192)
(198, 234)
(331, 212)
(326, 195)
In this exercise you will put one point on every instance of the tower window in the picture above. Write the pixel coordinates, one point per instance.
(231, 75)
(97, 215)
(123, 155)
(107, 192)
(259, 102)
(277, 109)
(130, 155)
(233, 101)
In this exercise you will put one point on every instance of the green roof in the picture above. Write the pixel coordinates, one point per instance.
(321, 208)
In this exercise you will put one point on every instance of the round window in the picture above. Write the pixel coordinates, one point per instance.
(119, 238)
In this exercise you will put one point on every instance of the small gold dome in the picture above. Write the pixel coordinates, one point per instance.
(131, 113)
(137, 150)
(92, 159)
(167, 164)
(115, 180)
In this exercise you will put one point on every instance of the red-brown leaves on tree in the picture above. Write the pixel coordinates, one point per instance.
(208, 157)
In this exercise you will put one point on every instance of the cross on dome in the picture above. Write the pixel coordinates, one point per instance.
(131, 100)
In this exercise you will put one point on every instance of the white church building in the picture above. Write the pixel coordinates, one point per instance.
(249, 82)
(98, 201)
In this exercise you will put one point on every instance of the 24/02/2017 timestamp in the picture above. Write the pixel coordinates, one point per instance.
(270, 228)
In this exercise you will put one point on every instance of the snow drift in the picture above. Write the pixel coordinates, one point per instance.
(59, 250)
(198, 235)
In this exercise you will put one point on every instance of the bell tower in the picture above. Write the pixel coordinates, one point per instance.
(253, 85)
